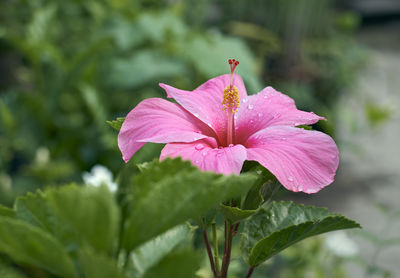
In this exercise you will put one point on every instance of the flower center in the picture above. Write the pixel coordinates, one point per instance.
(230, 103)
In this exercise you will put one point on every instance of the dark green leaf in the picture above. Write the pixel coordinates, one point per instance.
(117, 123)
(31, 245)
(5, 211)
(263, 188)
(234, 214)
(170, 192)
(97, 265)
(278, 225)
(179, 264)
(90, 211)
(9, 272)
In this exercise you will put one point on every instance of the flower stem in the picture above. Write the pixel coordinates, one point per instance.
(228, 249)
(215, 240)
(209, 253)
(251, 269)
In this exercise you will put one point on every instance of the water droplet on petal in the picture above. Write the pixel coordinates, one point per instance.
(209, 125)
(245, 100)
(260, 115)
(196, 115)
(251, 122)
(230, 145)
(199, 147)
(250, 107)
(290, 178)
(265, 95)
(235, 117)
(204, 153)
(196, 162)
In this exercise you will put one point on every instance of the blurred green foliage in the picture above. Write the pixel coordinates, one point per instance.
(66, 67)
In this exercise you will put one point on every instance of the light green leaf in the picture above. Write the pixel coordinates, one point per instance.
(144, 66)
(234, 214)
(278, 225)
(215, 50)
(97, 265)
(179, 264)
(170, 192)
(154, 250)
(117, 123)
(90, 211)
(31, 245)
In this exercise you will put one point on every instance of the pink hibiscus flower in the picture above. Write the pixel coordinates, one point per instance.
(218, 126)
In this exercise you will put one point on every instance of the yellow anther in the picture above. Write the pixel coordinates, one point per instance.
(231, 98)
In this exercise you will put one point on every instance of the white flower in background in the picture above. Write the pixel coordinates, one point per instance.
(42, 155)
(5, 182)
(340, 244)
(99, 175)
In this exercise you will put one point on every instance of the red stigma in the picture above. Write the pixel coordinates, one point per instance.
(233, 64)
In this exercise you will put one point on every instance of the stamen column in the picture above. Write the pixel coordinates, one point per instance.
(231, 103)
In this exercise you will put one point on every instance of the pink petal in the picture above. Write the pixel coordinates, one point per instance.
(207, 156)
(301, 160)
(205, 102)
(269, 108)
(159, 121)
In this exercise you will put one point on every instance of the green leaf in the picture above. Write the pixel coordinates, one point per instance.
(150, 253)
(215, 50)
(97, 265)
(117, 123)
(170, 192)
(5, 211)
(35, 209)
(9, 272)
(306, 127)
(234, 214)
(263, 189)
(278, 225)
(179, 264)
(31, 245)
(90, 211)
(142, 67)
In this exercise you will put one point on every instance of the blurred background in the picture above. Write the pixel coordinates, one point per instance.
(66, 67)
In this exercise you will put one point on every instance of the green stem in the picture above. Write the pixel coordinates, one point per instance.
(215, 241)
